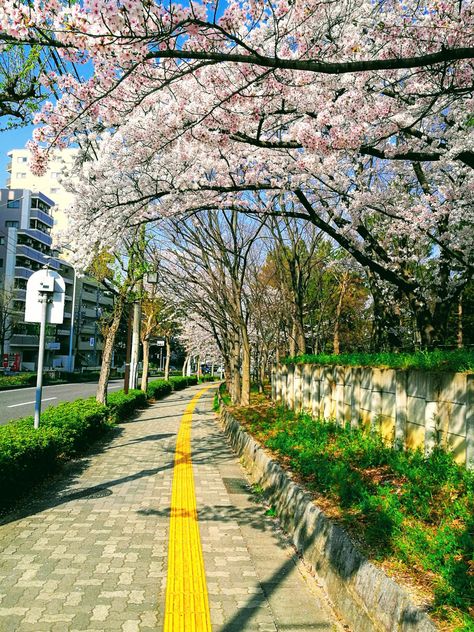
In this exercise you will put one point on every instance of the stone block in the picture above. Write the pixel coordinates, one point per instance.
(470, 422)
(284, 384)
(339, 401)
(366, 377)
(290, 397)
(415, 437)
(417, 383)
(416, 410)
(298, 387)
(348, 394)
(457, 420)
(387, 429)
(365, 399)
(389, 380)
(376, 408)
(389, 408)
(307, 378)
(339, 375)
(365, 417)
(377, 379)
(401, 407)
(315, 391)
(355, 396)
(453, 387)
(431, 425)
(457, 445)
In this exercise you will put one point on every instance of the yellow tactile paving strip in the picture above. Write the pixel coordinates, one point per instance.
(187, 604)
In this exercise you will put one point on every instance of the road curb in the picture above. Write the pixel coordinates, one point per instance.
(363, 595)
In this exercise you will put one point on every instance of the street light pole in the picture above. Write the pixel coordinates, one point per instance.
(44, 299)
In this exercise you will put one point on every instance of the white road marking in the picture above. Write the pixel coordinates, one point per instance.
(47, 399)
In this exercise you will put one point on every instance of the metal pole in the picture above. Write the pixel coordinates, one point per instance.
(39, 377)
(135, 345)
(126, 375)
(71, 331)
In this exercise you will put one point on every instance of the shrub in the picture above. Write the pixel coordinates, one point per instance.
(28, 455)
(122, 405)
(158, 389)
(182, 381)
(208, 378)
(12, 381)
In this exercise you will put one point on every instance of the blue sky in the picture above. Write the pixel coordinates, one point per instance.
(14, 139)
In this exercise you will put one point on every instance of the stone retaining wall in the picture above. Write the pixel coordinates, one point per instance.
(363, 595)
(414, 408)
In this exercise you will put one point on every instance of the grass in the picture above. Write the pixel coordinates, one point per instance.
(458, 360)
(412, 514)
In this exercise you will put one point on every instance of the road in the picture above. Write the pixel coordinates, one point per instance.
(20, 402)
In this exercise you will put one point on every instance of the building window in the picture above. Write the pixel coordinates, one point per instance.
(2, 241)
(11, 224)
(21, 174)
(1, 262)
(22, 159)
(13, 204)
(55, 190)
(55, 175)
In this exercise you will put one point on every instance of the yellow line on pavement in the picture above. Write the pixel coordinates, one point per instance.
(187, 604)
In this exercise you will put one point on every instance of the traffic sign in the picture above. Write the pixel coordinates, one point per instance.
(49, 283)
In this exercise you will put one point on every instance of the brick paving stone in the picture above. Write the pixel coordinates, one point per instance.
(71, 563)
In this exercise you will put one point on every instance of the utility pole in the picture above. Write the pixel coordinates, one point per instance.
(126, 376)
(137, 315)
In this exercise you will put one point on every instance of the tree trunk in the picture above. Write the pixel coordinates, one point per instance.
(185, 365)
(460, 340)
(236, 384)
(107, 354)
(245, 389)
(337, 324)
(167, 361)
(146, 361)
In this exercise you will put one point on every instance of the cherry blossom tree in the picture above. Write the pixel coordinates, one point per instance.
(358, 114)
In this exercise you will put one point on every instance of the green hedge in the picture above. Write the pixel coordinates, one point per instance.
(458, 360)
(122, 405)
(182, 381)
(209, 378)
(158, 388)
(27, 456)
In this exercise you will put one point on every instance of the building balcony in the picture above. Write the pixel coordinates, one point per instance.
(88, 328)
(89, 296)
(89, 312)
(63, 332)
(33, 234)
(36, 213)
(24, 340)
(22, 273)
(20, 295)
(35, 255)
(85, 346)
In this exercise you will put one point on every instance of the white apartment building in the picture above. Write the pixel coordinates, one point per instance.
(20, 177)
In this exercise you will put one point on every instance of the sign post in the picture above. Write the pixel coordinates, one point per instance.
(45, 293)
(39, 372)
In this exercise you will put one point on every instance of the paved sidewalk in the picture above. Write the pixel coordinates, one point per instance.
(91, 552)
